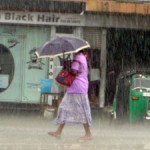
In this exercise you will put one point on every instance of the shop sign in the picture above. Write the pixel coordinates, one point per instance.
(41, 18)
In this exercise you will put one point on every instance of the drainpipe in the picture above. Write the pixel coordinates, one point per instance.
(102, 69)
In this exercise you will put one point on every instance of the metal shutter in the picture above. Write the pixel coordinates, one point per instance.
(93, 36)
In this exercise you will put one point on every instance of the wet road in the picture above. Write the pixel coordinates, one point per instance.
(28, 131)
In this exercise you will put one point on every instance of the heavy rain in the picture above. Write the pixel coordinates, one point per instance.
(118, 73)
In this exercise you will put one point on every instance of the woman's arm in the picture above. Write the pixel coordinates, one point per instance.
(74, 72)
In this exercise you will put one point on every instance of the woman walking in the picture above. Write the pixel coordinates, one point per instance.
(75, 107)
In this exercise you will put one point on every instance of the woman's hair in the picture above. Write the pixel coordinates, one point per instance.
(85, 53)
(82, 51)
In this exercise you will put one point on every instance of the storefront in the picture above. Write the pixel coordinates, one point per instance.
(21, 33)
(20, 69)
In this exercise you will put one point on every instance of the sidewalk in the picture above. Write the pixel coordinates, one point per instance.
(28, 131)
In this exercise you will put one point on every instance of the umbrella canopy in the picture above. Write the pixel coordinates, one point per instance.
(61, 45)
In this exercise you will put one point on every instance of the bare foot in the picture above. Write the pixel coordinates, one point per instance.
(86, 138)
(54, 134)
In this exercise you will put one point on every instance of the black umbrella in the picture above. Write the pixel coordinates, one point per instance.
(61, 45)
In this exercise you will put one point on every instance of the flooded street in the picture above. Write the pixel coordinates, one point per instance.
(28, 131)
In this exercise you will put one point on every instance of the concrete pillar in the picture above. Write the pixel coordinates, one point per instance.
(51, 65)
(102, 69)
(78, 32)
(53, 32)
(51, 70)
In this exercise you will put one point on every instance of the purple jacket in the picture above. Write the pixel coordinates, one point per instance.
(80, 84)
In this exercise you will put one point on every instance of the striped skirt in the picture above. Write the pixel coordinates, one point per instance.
(74, 108)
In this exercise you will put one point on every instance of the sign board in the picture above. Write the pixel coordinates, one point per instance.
(4, 78)
(38, 18)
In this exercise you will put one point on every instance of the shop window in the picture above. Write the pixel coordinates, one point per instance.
(6, 68)
(64, 29)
